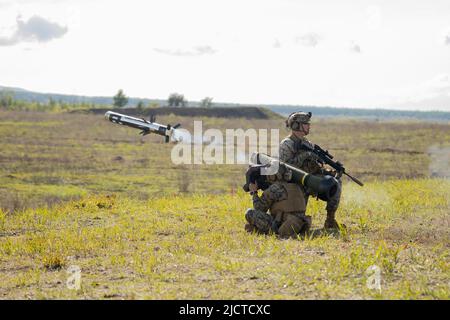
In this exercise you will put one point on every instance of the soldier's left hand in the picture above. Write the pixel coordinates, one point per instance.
(253, 187)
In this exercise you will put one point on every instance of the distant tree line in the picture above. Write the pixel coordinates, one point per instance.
(9, 102)
(56, 103)
(120, 100)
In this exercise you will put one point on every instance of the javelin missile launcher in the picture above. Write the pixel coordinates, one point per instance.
(264, 165)
(145, 126)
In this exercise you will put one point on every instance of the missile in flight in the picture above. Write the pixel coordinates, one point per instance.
(146, 126)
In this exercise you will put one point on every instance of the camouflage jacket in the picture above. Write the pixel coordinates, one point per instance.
(281, 198)
(274, 193)
(291, 153)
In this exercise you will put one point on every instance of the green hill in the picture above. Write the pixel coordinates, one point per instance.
(216, 112)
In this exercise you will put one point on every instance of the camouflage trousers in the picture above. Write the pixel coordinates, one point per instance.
(285, 225)
(333, 203)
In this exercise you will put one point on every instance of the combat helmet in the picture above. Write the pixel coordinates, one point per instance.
(295, 119)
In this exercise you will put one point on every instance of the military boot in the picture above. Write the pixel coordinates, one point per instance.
(249, 228)
(330, 222)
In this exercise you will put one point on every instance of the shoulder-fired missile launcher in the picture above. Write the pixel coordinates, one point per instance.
(324, 187)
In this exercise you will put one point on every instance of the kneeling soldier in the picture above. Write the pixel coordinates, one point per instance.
(286, 204)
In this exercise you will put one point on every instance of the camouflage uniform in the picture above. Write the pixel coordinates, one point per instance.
(286, 204)
(291, 153)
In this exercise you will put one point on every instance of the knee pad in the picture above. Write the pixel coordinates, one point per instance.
(294, 225)
(249, 215)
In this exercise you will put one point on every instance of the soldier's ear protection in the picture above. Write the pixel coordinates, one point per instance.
(291, 125)
(295, 125)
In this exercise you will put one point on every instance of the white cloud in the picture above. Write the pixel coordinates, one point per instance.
(431, 94)
(447, 39)
(276, 44)
(374, 17)
(354, 47)
(438, 86)
(309, 39)
(196, 51)
(35, 29)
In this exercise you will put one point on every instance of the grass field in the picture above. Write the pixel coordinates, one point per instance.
(78, 190)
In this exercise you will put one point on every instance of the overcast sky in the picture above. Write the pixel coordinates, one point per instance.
(388, 54)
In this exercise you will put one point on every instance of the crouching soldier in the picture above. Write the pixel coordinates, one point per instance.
(286, 205)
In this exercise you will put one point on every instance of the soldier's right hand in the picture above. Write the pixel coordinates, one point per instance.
(329, 172)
